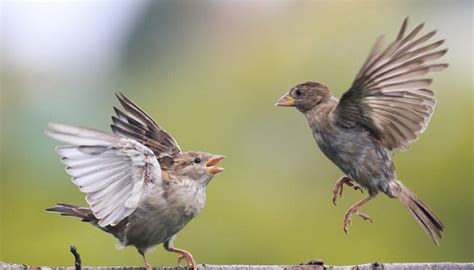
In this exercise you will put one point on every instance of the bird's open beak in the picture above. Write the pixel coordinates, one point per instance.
(212, 162)
(285, 101)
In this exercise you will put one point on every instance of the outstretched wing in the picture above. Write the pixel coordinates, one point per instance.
(389, 96)
(134, 123)
(114, 172)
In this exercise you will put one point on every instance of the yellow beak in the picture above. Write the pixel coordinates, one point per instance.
(211, 164)
(286, 101)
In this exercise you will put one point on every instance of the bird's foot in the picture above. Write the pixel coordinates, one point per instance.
(348, 218)
(357, 187)
(188, 258)
(338, 187)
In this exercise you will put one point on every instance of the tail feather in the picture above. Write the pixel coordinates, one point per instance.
(423, 215)
(86, 215)
(74, 211)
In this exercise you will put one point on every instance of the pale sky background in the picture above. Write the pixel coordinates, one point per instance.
(85, 37)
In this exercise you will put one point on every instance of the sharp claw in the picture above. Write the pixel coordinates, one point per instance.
(347, 222)
(365, 217)
(347, 219)
(355, 210)
(334, 199)
(339, 188)
(346, 228)
(337, 191)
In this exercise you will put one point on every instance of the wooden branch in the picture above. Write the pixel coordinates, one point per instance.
(370, 266)
(77, 258)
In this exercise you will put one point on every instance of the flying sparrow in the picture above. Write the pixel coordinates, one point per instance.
(387, 107)
(139, 185)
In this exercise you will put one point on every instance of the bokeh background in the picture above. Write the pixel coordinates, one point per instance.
(210, 72)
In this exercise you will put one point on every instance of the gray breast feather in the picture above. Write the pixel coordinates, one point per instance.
(356, 154)
(164, 213)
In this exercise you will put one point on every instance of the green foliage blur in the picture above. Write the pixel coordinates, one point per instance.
(209, 73)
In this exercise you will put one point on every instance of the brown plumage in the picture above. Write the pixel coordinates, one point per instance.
(387, 107)
(139, 185)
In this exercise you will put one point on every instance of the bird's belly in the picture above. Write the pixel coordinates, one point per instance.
(148, 228)
(159, 219)
(359, 157)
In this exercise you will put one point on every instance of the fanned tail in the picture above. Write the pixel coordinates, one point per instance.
(423, 215)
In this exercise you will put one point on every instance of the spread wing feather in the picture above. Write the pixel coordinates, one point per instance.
(114, 172)
(134, 123)
(389, 96)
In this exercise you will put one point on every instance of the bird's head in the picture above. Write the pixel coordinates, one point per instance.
(198, 166)
(305, 96)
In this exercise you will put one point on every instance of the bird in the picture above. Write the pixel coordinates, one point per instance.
(385, 109)
(139, 185)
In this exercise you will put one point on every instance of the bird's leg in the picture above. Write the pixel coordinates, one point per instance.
(147, 265)
(338, 187)
(355, 210)
(185, 255)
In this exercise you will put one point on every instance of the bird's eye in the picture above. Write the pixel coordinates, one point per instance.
(197, 160)
(298, 93)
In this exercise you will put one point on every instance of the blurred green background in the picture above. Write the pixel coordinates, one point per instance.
(210, 72)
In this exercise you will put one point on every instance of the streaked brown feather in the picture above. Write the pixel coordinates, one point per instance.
(136, 124)
(415, 43)
(389, 95)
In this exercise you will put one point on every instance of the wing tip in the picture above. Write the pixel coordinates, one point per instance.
(119, 94)
(405, 21)
(122, 98)
(403, 28)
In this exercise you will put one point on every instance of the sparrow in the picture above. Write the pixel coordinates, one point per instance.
(139, 185)
(387, 107)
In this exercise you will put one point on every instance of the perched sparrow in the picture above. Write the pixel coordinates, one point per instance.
(140, 186)
(387, 107)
